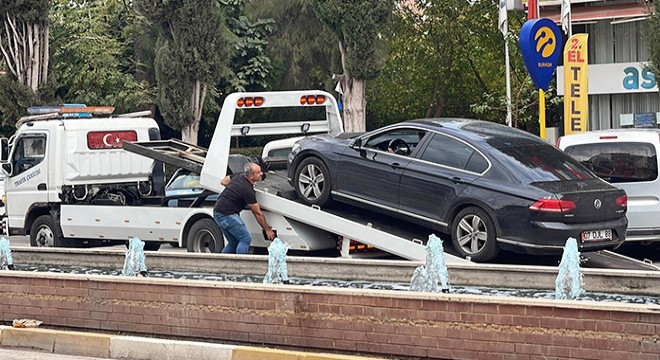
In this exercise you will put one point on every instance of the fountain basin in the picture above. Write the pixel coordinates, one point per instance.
(375, 322)
(629, 282)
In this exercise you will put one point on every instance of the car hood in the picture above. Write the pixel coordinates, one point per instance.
(327, 139)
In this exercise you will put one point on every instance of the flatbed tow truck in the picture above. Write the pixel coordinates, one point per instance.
(303, 227)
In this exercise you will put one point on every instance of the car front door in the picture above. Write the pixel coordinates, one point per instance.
(437, 175)
(371, 172)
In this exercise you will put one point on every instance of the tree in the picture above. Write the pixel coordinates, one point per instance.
(82, 73)
(192, 54)
(250, 65)
(357, 25)
(448, 60)
(24, 40)
(24, 29)
(298, 45)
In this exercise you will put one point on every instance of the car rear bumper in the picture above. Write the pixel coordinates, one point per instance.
(547, 238)
(639, 234)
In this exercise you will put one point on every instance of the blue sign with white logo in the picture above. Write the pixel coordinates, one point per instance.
(540, 43)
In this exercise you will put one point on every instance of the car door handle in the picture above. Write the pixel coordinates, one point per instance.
(456, 180)
(41, 186)
(396, 165)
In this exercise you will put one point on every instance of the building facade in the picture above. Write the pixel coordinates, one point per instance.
(622, 89)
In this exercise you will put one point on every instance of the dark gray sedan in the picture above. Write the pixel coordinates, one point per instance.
(489, 186)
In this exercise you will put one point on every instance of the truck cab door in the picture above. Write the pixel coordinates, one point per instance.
(27, 177)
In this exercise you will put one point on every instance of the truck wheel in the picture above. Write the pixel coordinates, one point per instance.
(204, 236)
(473, 235)
(43, 233)
(151, 245)
(312, 180)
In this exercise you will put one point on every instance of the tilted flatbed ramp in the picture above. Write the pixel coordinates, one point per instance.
(349, 229)
(174, 152)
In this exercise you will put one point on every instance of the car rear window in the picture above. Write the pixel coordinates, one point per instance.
(544, 163)
(618, 162)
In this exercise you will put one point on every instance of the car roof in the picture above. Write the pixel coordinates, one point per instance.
(494, 134)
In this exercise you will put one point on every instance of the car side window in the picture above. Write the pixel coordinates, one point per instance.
(447, 151)
(29, 151)
(400, 141)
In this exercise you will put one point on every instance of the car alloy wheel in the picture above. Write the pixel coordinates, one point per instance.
(473, 235)
(313, 182)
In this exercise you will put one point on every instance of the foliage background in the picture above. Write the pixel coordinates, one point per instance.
(441, 58)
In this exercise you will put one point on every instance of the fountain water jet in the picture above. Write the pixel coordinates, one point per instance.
(426, 278)
(569, 279)
(277, 270)
(134, 264)
(5, 254)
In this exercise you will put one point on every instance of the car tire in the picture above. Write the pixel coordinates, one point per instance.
(473, 235)
(44, 233)
(312, 180)
(204, 236)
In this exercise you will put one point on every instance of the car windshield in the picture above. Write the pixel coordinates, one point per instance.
(544, 163)
(185, 181)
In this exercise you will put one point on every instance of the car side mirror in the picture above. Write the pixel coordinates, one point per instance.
(357, 144)
(4, 149)
(6, 168)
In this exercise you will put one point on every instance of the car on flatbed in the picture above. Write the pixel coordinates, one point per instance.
(489, 186)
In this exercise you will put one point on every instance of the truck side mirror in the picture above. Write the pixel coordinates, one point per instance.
(6, 168)
(4, 149)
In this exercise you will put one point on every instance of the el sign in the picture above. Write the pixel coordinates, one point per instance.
(576, 100)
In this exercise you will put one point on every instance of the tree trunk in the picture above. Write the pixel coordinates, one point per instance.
(355, 118)
(190, 132)
(355, 103)
(25, 49)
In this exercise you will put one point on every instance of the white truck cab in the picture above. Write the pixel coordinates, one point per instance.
(49, 162)
(627, 158)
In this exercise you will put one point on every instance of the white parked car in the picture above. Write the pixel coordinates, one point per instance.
(627, 158)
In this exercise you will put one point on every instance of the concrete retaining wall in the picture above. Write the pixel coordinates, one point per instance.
(378, 323)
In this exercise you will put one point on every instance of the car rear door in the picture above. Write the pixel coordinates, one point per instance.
(432, 181)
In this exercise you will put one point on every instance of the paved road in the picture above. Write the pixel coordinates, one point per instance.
(19, 240)
(10, 354)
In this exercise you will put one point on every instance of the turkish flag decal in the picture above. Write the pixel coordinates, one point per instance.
(109, 139)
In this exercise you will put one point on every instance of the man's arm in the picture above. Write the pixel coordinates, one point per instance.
(225, 180)
(261, 219)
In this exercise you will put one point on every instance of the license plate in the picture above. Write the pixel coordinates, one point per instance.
(597, 235)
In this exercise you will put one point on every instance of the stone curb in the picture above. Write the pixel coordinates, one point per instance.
(140, 348)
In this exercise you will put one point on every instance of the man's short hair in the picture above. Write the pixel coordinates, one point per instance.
(248, 169)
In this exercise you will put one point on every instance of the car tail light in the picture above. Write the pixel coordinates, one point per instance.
(552, 205)
(608, 137)
(622, 201)
(558, 142)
